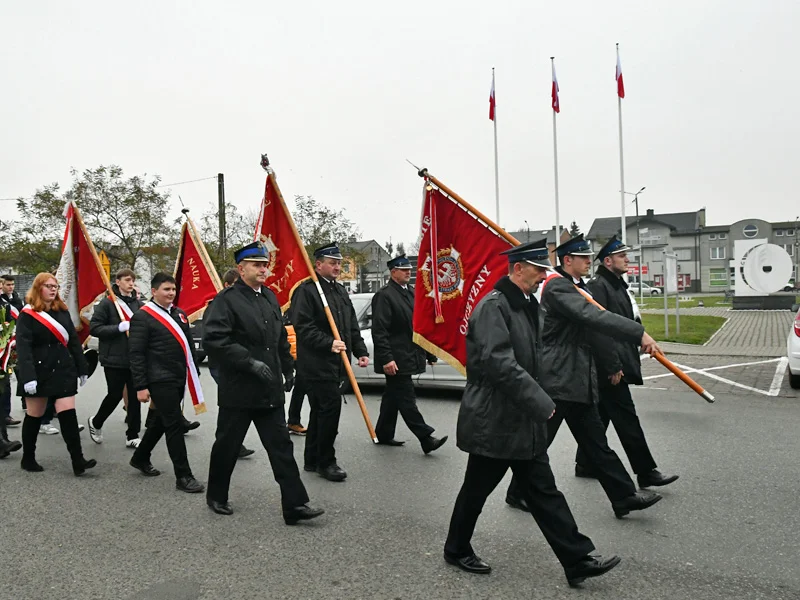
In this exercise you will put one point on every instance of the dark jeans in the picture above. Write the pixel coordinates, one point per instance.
(398, 396)
(117, 380)
(5, 398)
(167, 420)
(296, 403)
(537, 486)
(616, 406)
(323, 424)
(232, 426)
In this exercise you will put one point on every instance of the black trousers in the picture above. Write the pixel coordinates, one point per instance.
(232, 425)
(616, 406)
(398, 396)
(323, 423)
(537, 486)
(167, 421)
(589, 432)
(296, 403)
(117, 380)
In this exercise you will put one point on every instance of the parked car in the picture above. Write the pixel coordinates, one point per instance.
(793, 351)
(647, 290)
(439, 375)
(637, 315)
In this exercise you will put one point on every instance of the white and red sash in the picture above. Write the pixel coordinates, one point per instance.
(56, 328)
(124, 309)
(5, 356)
(14, 311)
(192, 376)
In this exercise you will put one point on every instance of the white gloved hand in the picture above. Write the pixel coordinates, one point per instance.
(30, 387)
(124, 326)
(82, 380)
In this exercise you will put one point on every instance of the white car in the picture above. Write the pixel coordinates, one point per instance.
(793, 352)
(439, 375)
(646, 289)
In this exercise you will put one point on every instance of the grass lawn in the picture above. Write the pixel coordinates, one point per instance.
(694, 329)
(656, 302)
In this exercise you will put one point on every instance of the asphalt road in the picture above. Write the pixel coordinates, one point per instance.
(727, 529)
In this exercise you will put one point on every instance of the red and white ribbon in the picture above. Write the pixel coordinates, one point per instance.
(14, 311)
(192, 376)
(5, 357)
(124, 309)
(56, 328)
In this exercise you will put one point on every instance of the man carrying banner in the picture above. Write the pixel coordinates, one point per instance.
(502, 422)
(163, 367)
(569, 374)
(110, 324)
(228, 279)
(618, 369)
(318, 357)
(246, 338)
(397, 357)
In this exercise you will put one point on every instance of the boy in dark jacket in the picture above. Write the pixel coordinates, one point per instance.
(110, 324)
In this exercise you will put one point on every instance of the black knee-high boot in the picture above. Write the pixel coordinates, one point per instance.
(72, 438)
(6, 445)
(30, 431)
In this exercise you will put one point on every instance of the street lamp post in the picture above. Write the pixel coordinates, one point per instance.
(638, 239)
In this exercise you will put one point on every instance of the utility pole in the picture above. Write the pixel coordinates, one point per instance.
(221, 210)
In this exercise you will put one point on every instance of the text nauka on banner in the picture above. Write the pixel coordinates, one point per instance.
(287, 264)
(196, 278)
(192, 376)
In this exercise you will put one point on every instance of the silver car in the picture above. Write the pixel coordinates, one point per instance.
(439, 375)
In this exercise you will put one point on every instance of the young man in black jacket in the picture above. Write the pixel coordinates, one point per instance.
(110, 324)
(620, 369)
(12, 303)
(162, 360)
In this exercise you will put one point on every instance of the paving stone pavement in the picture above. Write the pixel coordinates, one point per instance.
(754, 333)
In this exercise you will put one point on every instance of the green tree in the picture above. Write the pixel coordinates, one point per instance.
(399, 250)
(318, 224)
(574, 229)
(239, 230)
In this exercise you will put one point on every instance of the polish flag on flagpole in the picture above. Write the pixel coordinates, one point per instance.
(491, 100)
(554, 92)
(618, 76)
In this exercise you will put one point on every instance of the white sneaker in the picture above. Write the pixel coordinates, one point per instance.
(94, 433)
(134, 443)
(48, 429)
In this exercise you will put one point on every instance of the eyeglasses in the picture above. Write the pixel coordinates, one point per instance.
(51, 286)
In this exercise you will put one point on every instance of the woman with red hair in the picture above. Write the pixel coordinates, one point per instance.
(50, 364)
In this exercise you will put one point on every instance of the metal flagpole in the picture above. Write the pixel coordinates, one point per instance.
(555, 159)
(623, 224)
(496, 170)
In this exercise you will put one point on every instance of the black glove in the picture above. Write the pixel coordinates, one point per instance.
(261, 370)
(288, 381)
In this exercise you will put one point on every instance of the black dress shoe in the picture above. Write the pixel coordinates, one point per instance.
(589, 566)
(7, 447)
(470, 564)
(518, 503)
(310, 468)
(190, 425)
(390, 443)
(190, 485)
(80, 465)
(301, 513)
(638, 501)
(245, 452)
(12, 422)
(146, 468)
(429, 444)
(29, 464)
(655, 477)
(332, 472)
(584, 472)
(221, 508)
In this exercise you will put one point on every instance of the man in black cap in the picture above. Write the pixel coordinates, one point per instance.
(569, 374)
(397, 357)
(318, 357)
(618, 369)
(246, 338)
(502, 422)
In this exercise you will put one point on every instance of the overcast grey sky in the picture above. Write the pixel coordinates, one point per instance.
(339, 94)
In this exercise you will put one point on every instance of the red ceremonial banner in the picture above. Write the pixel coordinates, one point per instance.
(79, 273)
(196, 280)
(275, 229)
(459, 263)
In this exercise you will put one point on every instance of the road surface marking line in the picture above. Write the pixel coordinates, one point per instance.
(777, 380)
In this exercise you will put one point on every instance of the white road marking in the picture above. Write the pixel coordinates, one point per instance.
(722, 379)
(747, 364)
(777, 380)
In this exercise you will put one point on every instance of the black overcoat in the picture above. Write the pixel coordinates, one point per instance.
(393, 331)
